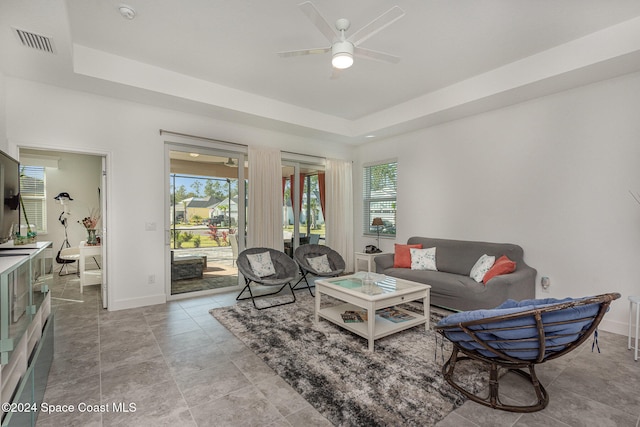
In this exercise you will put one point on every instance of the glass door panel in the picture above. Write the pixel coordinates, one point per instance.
(205, 215)
(302, 210)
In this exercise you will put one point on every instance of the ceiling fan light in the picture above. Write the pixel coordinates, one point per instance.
(342, 52)
(342, 60)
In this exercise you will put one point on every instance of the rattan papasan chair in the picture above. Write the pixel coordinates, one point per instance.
(284, 271)
(517, 335)
(318, 260)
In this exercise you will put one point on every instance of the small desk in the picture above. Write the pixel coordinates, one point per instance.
(91, 277)
(368, 258)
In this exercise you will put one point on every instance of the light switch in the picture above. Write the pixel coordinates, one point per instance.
(150, 226)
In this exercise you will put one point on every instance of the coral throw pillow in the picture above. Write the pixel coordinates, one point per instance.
(402, 258)
(503, 265)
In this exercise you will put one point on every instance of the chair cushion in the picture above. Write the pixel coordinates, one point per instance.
(320, 263)
(261, 264)
(519, 334)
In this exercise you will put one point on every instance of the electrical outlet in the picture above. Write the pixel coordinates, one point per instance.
(151, 279)
(545, 283)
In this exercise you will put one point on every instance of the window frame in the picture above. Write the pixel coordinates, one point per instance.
(368, 199)
(30, 199)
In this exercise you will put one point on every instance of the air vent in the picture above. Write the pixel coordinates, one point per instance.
(35, 41)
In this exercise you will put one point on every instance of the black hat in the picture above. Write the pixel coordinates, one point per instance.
(63, 196)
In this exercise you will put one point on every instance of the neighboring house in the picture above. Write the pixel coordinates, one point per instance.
(194, 206)
(221, 209)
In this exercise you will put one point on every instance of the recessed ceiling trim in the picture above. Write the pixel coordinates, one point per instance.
(35, 41)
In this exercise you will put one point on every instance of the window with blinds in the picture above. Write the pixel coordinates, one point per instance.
(34, 197)
(380, 185)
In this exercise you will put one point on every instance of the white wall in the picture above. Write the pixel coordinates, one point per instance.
(48, 117)
(551, 175)
(3, 114)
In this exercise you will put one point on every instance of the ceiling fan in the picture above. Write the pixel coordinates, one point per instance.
(229, 163)
(343, 48)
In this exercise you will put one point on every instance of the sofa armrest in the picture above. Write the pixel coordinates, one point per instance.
(521, 283)
(383, 262)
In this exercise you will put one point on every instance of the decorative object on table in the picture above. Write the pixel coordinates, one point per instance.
(377, 223)
(31, 236)
(517, 336)
(398, 384)
(351, 316)
(90, 222)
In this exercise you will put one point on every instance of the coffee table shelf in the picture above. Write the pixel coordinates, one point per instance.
(383, 327)
(392, 292)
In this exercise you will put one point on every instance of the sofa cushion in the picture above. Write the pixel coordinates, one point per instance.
(459, 256)
(481, 267)
(402, 258)
(423, 259)
(503, 265)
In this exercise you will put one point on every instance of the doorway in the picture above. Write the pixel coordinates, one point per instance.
(205, 219)
(82, 178)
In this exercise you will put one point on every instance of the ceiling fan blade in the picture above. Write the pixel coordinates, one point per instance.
(318, 20)
(373, 27)
(375, 55)
(304, 52)
(335, 73)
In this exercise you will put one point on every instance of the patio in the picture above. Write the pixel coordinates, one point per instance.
(220, 271)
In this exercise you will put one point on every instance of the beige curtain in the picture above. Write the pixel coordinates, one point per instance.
(264, 216)
(339, 205)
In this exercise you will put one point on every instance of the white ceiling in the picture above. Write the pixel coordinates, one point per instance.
(219, 57)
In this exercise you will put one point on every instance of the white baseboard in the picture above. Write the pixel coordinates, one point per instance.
(615, 327)
(137, 302)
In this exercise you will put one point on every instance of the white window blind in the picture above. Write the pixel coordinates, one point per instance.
(380, 185)
(34, 197)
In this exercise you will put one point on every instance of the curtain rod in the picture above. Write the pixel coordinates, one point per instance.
(162, 131)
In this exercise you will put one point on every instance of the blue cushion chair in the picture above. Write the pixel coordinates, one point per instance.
(517, 335)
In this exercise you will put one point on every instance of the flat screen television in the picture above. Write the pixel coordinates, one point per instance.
(10, 195)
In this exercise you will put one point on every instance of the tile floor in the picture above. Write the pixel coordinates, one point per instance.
(179, 366)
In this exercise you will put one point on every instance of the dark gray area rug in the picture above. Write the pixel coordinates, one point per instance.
(400, 383)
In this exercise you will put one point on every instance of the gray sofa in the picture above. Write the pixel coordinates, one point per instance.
(451, 286)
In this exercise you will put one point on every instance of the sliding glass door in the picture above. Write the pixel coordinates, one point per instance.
(206, 219)
(303, 204)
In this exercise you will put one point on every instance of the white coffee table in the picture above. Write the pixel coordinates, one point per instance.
(389, 293)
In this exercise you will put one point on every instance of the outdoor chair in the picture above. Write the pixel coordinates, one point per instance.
(286, 270)
(518, 335)
(334, 266)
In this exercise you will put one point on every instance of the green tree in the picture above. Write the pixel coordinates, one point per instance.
(384, 177)
(181, 194)
(196, 185)
(214, 188)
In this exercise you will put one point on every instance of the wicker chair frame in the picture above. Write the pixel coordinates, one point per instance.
(336, 262)
(286, 271)
(500, 359)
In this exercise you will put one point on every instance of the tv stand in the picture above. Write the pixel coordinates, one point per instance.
(26, 329)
